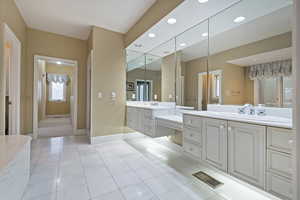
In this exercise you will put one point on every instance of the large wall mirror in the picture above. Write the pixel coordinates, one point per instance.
(250, 54)
(235, 57)
(151, 75)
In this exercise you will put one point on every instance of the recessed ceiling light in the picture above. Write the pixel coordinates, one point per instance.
(202, 1)
(172, 21)
(239, 19)
(151, 35)
(183, 44)
(205, 34)
(58, 62)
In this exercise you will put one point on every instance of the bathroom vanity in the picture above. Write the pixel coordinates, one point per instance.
(14, 166)
(256, 149)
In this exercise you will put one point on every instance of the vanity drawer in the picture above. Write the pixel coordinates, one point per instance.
(280, 163)
(193, 135)
(147, 114)
(279, 186)
(280, 139)
(192, 121)
(193, 149)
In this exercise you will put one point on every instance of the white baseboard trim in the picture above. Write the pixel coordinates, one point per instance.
(115, 137)
(106, 138)
(2, 132)
(80, 132)
(57, 116)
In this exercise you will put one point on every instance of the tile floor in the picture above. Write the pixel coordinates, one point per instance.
(55, 127)
(68, 168)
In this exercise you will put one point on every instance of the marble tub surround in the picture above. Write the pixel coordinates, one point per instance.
(10, 146)
(14, 166)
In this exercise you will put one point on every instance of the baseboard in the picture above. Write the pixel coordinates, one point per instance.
(80, 132)
(106, 138)
(57, 116)
(2, 132)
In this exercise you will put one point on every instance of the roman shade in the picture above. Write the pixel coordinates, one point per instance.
(57, 78)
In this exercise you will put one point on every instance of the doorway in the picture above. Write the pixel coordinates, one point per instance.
(12, 64)
(55, 97)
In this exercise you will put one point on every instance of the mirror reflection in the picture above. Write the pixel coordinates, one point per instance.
(250, 54)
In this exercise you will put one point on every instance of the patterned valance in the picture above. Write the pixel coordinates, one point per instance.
(269, 70)
(58, 78)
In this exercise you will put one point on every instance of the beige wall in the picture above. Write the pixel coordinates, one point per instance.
(60, 108)
(153, 15)
(234, 77)
(108, 75)
(10, 15)
(54, 45)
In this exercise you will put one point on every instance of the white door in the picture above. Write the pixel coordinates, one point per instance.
(13, 67)
(214, 150)
(247, 152)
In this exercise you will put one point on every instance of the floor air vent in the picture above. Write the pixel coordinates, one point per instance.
(208, 179)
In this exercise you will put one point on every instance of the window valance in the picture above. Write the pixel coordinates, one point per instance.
(58, 78)
(269, 70)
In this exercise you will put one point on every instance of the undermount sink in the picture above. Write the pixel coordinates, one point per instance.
(251, 117)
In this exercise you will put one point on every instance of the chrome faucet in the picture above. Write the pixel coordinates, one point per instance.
(247, 109)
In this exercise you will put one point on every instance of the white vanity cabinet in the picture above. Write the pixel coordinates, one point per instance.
(192, 136)
(143, 120)
(214, 134)
(279, 162)
(247, 152)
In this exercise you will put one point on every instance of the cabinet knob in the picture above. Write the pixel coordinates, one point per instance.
(222, 126)
(291, 141)
(229, 128)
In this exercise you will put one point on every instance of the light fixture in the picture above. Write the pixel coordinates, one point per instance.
(183, 44)
(151, 35)
(239, 19)
(172, 21)
(205, 34)
(58, 62)
(202, 1)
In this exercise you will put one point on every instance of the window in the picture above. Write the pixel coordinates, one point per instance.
(275, 92)
(57, 91)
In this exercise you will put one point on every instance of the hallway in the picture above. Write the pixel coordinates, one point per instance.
(55, 127)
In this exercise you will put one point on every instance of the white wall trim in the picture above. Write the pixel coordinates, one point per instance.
(296, 98)
(2, 132)
(115, 137)
(80, 132)
(35, 91)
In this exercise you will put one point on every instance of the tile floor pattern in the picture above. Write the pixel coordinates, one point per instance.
(55, 127)
(67, 168)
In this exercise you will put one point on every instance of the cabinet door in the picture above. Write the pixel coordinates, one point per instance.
(214, 141)
(247, 152)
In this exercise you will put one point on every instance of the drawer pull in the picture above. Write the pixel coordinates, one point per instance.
(291, 141)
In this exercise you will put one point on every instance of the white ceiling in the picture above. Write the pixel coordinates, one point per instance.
(281, 54)
(75, 17)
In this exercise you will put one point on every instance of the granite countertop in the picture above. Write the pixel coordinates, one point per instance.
(272, 121)
(150, 107)
(10, 146)
(172, 118)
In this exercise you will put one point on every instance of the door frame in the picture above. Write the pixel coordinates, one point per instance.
(15, 85)
(35, 92)
(88, 92)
